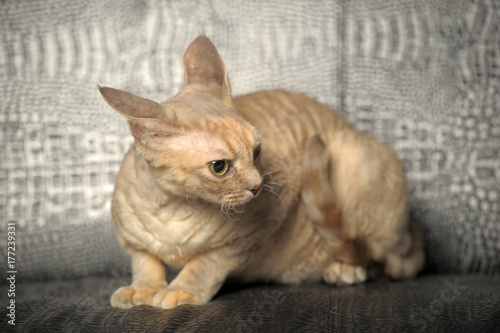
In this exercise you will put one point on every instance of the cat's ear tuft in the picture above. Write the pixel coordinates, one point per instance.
(149, 121)
(203, 65)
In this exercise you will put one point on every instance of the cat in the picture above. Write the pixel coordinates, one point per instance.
(269, 186)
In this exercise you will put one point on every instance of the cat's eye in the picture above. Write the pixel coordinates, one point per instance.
(256, 153)
(219, 167)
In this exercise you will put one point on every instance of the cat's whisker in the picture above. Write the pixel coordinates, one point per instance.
(224, 209)
(275, 183)
(229, 210)
(268, 173)
(239, 210)
(270, 189)
(186, 196)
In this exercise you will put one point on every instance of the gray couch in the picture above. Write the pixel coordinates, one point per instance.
(422, 76)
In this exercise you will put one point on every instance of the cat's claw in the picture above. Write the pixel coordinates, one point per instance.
(168, 298)
(127, 297)
(344, 274)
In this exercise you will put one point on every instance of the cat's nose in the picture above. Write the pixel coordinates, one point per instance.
(255, 189)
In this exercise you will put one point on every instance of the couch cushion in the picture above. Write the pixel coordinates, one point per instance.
(421, 76)
(452, 303)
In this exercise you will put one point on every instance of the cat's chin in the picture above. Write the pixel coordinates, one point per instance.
(238, 203)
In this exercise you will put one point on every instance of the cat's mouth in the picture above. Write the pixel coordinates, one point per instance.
(239, 200)
(233, 209)
(232, 204)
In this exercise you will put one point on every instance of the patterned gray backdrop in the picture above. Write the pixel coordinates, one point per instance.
(423, 76)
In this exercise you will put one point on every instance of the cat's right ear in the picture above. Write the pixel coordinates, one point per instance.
(203, 65)
(150, 122)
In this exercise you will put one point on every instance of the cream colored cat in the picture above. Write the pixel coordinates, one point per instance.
(198, 193)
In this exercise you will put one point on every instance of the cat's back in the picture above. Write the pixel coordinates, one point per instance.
(281, 107)
(289, 119)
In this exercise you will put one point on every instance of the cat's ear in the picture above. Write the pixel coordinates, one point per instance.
(203, 65)
(150, 122)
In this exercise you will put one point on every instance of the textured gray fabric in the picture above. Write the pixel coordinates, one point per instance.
(422, 76)
(433, 303)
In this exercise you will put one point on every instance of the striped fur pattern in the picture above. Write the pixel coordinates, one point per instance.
(269, 186)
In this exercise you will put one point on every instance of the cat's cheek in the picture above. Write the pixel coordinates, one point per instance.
(213, 198)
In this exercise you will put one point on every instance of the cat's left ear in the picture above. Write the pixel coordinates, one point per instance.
(203, 65)
(150, 122)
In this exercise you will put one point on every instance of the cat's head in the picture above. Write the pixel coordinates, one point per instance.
(197, 145)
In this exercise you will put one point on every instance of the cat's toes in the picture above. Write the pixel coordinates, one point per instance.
(167, 298)
(127, 297)
(398, 267)
(142, 296)
(344, 274)
(122, 298)
(404, 266)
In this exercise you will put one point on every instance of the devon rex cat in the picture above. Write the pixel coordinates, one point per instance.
(269, 186)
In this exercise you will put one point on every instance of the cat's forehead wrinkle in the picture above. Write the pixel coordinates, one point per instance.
(240, 137)
(197, 148)
(198, 101)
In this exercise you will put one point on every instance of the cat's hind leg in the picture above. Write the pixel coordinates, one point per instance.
(320, 205)
(317, 193)
(341, 273)
(401, 259)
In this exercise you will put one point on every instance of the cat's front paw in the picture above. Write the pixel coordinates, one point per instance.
(344, 274)
(127, 297)
(168, 298)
